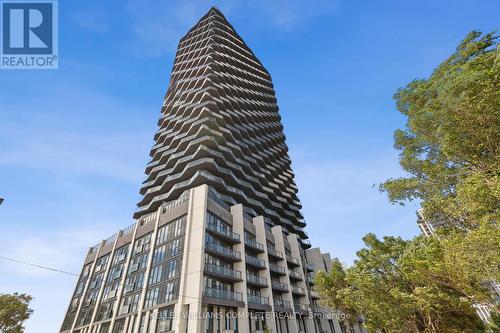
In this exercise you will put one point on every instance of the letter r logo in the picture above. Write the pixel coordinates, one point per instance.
(27, 27)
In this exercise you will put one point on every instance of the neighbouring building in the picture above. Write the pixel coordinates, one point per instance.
(219, 243)
(330, 321)
(428, 228)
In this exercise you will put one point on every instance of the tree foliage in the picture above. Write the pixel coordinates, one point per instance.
(416, 285)
(451, 144)
(14, 310)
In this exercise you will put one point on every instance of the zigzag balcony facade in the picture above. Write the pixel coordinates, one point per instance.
(220, 126)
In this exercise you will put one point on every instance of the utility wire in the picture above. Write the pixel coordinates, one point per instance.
(64, 272)
(67, 273)
(38, 266)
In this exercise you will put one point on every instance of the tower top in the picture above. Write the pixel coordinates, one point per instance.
(220, 126)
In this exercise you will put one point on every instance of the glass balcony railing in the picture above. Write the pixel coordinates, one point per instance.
(216, 248)
(254, 261)
(220, 270)
(257, 280)
(279, 285)
(254, 245)
(224, 232)
(298, 290)
(253, 299)
(314, 294)
(301, 307)
(218, 200)
(282, 304)
(223, 294)
(295, 275)
(274, 253)
(306, 243)
(277, 269)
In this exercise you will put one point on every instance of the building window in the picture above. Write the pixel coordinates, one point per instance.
(134, 282)
(161, 294)
(119, 327)
(104, 328)
(152, 297)
(171, 269)
(115, 272)
(170, 293)
(80, 286)
(142, 244)
(90, 298)
(159, 254)
(214, 221)
(110, 291)
(138, 263)
(120, 254)
(155, 275)
(171, 230)
(174, 247)
(105, 311)
(101, 263)
(96, 281)
(164, 321)
(142, 325)
(74, 304)
(86, 270)
(129, 303)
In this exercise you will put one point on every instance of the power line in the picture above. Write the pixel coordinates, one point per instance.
(38, 266)
(68, 273)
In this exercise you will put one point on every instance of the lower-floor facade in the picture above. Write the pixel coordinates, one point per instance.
(197, 265)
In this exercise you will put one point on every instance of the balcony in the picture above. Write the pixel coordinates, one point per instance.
(223, 294)
(282, 304)
(224, 233)
(301, 307)
(298, 290)
(212, 195)
(280, 286)
(256, 280)
(295, 275)
(223, 272)
(315, 295)
(277, 269)
(221, 251)
(306, 243)
(255, 262)
(321, 309)
(253, 299)
(272, 252)
(254, 245)
(292, 261)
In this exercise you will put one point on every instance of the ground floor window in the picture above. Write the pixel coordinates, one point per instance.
(282, 325)
(165, 320)
(219, 319)
(257, 321)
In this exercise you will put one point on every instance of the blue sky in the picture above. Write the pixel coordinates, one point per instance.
(74, 141)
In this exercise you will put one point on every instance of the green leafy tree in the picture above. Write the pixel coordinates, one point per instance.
(404, 286)
(14, 311)
(451, 144)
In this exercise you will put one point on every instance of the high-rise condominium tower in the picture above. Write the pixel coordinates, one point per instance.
(219, 244)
